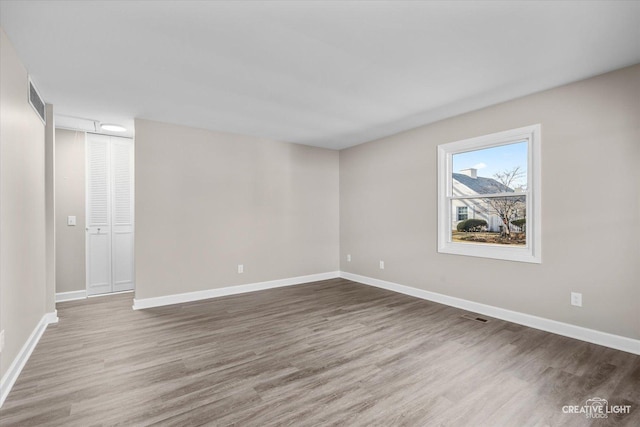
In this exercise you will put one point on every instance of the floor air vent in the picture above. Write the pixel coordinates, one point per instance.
(474, 318)
(36, 102)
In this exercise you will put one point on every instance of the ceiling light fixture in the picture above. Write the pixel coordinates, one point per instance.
(112, 128)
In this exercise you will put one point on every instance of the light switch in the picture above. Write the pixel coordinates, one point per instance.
(71, 220)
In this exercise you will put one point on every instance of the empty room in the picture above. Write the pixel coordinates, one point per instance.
(319, 213)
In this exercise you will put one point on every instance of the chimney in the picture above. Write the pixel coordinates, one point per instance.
(471, 172)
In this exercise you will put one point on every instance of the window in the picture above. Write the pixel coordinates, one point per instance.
(489, 196)
(463, 213)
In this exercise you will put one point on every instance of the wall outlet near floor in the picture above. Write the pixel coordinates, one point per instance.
(348, 257)
(381, 265)
(1, 340)
(576, 299)
(240, 268)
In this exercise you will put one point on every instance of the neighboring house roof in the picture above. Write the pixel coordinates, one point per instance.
(481, 185)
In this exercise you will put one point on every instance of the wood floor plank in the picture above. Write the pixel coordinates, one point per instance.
(330, 353)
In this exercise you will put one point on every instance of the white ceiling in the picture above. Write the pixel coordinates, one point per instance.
(331, 74)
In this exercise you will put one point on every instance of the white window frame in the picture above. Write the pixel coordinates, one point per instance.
(466, 213)
(532, 251)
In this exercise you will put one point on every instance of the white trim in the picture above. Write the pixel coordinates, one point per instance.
(52, 317)
(565, 329)
(10, 377)
(533, 250)
(106, 294)
(71, 296)
(143, 303)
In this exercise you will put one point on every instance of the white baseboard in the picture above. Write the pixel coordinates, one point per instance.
(572, 331)
(108, 294)
(578, 332)
(71, 296)
(229, 290)
(10, 377)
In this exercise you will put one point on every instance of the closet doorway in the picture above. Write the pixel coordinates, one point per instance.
(109, 214)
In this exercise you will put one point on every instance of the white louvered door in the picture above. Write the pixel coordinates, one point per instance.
(122, 214)
(110, 217)
(98, 215)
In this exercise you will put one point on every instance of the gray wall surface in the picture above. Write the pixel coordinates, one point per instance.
(207, 201)
(70, 200)
(22, 208)
(590, 207)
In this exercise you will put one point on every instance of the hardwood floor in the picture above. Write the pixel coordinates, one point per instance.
(328, 353)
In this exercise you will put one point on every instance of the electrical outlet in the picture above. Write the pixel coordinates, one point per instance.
(576, 299)
(348, 257)
(381, 265)
(1, 340)
(240, 268)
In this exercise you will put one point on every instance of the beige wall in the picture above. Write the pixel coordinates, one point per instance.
(50, 209)
(70, 200)
(22, 208)
(590, 207)
(207, 201)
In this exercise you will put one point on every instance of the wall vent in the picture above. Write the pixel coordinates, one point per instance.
(36, 102)
(474, 318)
